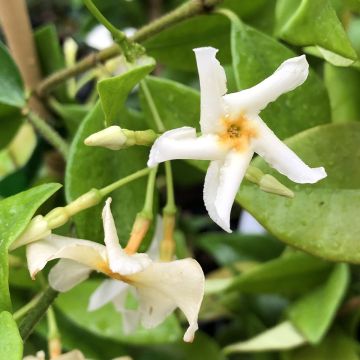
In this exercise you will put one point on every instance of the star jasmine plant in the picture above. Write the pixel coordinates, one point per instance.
(161, 286)
(232, 131)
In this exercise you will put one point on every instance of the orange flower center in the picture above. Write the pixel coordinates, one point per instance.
(237, 133)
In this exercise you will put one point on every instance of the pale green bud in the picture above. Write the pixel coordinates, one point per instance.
(112, 138)
(37, 229)
(270, 184)
(254, 174)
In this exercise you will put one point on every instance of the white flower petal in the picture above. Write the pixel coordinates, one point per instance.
(119, 261)
(130, 320)
(213, 86)
(53, 247)
(154, 249)
(99, 38)
(108, 291)
(66, 274)
(289, 75)
(164, 286)
(182, 143)
(284, 160)
(222, 182)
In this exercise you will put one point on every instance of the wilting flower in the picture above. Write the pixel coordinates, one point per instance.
(232, 131)
(161, 286)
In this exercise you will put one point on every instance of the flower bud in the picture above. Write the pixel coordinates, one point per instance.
(270, 184)
(112, 138)
(38, 228)
(254, 174)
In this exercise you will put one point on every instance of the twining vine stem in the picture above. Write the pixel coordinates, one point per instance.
(185, 11)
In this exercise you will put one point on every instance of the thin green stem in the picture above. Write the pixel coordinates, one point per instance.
(147, 210)
(53, 331)
(150, 101)
(138, 174)
(185, 11)
(29, 322)
(170, 207)
(26, 308)
(48, 133)
(102, 19)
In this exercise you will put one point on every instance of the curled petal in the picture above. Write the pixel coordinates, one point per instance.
(119, 261)
(182, 143)
(85, 252)
(222, 182)
(66, 274)
(163, 287)
(289, 75)
(108, 291)
(283, 159)
(213, 86)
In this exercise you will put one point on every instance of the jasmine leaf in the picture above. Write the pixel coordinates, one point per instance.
(256, 56)
(114, 91)
(304, 23)
(12, 94)
(90, 167)
(321, 219)
(343, 84)
(15, 213)
(336, 345)
(290, 274)
(106, 322)
(11, 344)
(281, 337)
(313, 313)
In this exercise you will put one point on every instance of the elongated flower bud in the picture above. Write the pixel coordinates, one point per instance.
(112, 138)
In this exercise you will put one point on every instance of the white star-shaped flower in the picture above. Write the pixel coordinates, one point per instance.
(161, 286)
(232, 131)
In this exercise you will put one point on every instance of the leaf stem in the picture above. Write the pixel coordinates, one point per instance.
(185, 11)
(28, 324)
(26, 308)
(48, 133)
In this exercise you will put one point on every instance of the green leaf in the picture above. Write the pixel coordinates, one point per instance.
(337, 345)
(11, 344)
(322, 218)
(343, 85)
(12, 94)
(308, 22)
(90, 167)
(106, 322)
(8, 128)
(290, 274)
(229, 248)
(313, 313)
(281, 337)
(114, 91)
(50, 55)
(255, 57)
(15, 213)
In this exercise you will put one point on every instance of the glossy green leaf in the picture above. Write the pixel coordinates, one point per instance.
(313, 313)
(12, 94)
(11, 344)
(322, 218)
(8, 128)
(50, 55)
(308, 22)
(337, 345)
(281, 337)
(106, 322)
(114, 91)
(229, 248)
(90, 167)
(343, 85)
(15, 213)
(255, 57)
(290, 274)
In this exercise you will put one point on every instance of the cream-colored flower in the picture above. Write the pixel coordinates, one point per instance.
(232, 131)
(161, 286)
